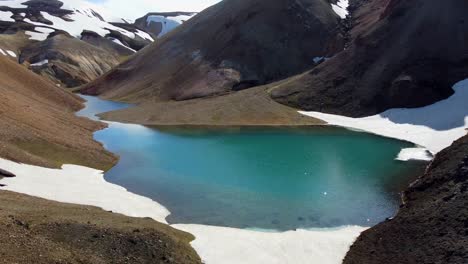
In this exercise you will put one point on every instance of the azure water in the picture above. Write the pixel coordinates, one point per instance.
(266, 178)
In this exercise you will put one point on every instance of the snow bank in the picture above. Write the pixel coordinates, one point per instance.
(13, 3)
(41, 34)
(407, 154)
(6, 15)
(232, 246)
(79, 185)
(117, 41)
(11, 53)
(168, 23)
(341, 8)
(40, 63)
(434, 127)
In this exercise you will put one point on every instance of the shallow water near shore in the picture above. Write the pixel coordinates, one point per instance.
(259, 178)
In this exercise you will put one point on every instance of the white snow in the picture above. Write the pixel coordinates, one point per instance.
(13, 3)
(79, 185)
(121, 44)
(144, 35)
(168, 23)
(41, 35)
(341, 8)
(81, 21)
(11, 53)
(222, 245)
(40, 63)
(6, 15)
(434, 127)
(3, 52)
(407, 154)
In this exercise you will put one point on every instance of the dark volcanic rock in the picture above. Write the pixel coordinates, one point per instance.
(403, 54)
(229, 46)
(7, 174)
(432, 224)
(105, 43)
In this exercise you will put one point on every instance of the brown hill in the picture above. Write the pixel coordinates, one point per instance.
(34, 230)
(39, 126)
(407, 54)
(68, 60)
(231, 46)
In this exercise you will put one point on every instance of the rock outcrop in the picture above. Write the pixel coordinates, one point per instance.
(7, 174)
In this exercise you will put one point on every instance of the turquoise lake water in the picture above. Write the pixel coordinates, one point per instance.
(267, 178)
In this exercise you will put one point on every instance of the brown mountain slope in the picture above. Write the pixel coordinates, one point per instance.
(34, 230)
(231, 46)
(406, 55)
(67, 60)
(39, 126)
(248, 107)
(432, 224)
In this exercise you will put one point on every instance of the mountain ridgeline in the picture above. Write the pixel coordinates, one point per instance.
(402, 54)
(231, 46)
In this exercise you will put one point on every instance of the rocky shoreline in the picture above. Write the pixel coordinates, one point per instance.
(431, 226)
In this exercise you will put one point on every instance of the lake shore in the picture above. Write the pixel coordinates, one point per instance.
(287, 247)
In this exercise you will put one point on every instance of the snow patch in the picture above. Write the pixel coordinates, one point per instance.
(3, 52)
(37, 64)
(79, 185)
(168, 23)
(11, 53)
(341, 8)
(407, 154)
(13, 3)
(144, 35)
(117, 41)
(41, 34)
(6, 16)
(434, 127)
(232, 246)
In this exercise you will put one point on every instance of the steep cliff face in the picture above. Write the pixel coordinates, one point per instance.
(431, 226)
(228, 47)
(402, 54)
(39, 126)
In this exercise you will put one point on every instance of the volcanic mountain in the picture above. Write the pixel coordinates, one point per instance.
(69, 42)
(228, 47)
(403, 54)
